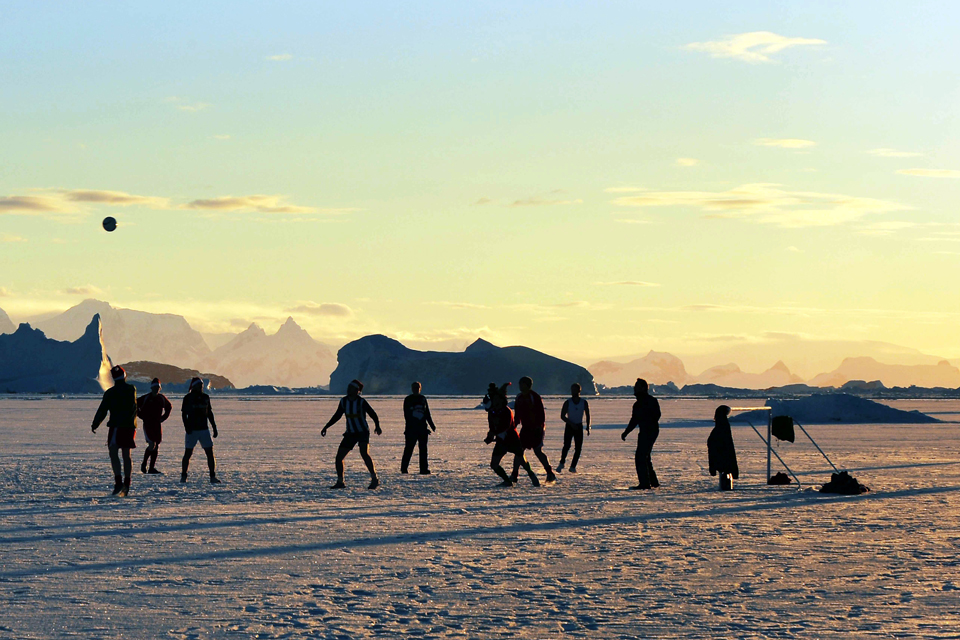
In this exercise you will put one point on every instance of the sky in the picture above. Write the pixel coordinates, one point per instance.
(588, 179)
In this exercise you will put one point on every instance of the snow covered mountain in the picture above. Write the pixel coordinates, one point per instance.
(942, 374)
(6, 326)
(132, 335)
(655, 368)
(730, 375)
(288, 358)
(32, 363)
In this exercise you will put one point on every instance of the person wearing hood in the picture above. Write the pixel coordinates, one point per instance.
(120, 401)
(153, 409)
(721, 453)
(196, 413)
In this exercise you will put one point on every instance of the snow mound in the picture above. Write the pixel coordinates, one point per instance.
(836, 407)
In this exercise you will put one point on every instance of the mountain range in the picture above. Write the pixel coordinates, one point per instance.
(288, 358)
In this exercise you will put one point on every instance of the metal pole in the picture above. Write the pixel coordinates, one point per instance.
(760, 435)
(769, 439)
(817, 446)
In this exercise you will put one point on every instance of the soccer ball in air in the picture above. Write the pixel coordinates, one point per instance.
(110, 223)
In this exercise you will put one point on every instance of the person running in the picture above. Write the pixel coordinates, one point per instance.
(502, 430)
(721, 453)
(417, 418)
(120, 401)
(574, 413)
(355, 408)
(528, 408)
(646, 419)
(196, 413)
(153, 409)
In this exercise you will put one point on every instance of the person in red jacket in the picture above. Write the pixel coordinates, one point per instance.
(153, 409)
(528, 408)
(503, 432)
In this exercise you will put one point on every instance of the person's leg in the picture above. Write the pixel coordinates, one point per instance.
(211, 465)
(185, 464)
(654, 481)
(146, 457)
(409, 440)
(153, 458)
(342, 452)
(424, 461)
(127, 466)
(542, 457)
(117, 469)
(499, 450)
(567, 437)
(367, 460)
(520, 460)
(577, 446)
(642, 462)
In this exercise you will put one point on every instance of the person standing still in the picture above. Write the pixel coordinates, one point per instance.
(418, 423)
(575, 414)
(120, 401)
(153, 409)
(196, 412)
(646, 419)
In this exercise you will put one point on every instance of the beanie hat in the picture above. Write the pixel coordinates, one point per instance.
(357, 384)
(155, 384)
(118, 373)
(196, 382)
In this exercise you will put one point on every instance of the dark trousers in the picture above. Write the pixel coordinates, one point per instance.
(574, 433)
(411, 440)
(646, 476)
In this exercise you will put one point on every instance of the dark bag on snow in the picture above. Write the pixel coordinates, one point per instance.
(783, 428)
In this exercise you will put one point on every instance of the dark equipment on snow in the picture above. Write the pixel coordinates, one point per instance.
(844, 484)
(779, 478)
(783, 428)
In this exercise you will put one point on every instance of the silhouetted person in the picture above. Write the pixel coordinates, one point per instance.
(503, 432)
(120, 401)
(196, 413)
(575, 414)
(418, 422)
(153, 409)
(720, 450)
(355, 409)
(528, 408)
(646, 419)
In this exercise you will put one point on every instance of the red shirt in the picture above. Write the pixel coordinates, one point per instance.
(529, 410)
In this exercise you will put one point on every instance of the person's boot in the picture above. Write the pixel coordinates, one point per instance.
(183, 478)
(154, 471)
(560, 467)
(117, 485)
(143, 465)
(551, 476)
(214, 479)
(339, 484)
(533, 476)
(404, 471)
(125, 489)
(573, 469)
(507, 480)
(374, 483)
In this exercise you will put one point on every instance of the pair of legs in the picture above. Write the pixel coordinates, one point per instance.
(502, 448)
(572, 433)
(201, 437)
(120, 474)
(362, 442)
(646, 476)
(411, 440)
(150, 456)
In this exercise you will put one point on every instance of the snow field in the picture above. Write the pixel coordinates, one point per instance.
(273, 553)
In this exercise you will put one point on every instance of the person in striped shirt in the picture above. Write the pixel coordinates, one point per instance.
(355, 409)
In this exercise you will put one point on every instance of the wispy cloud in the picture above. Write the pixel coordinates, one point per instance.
(886, 228)
(282, 57)
(768, 204)
(259, 203)
(630, 283)
(333, 309)
(931, 173)
(687, 162)
(623, 189)
(8, 237)
(633, 221)
(114, 198)
(755, 46)
(893, 153)
(785, 143)
(482, 201)
(83, 290)
(460, 305)
(221, 136)
(31, 205)
(184, 105)
(5, 293)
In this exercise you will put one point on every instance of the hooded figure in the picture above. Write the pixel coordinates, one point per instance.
(722, 455)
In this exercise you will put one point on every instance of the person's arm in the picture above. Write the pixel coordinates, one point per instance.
(407, 409)
(167, 408)
(100, 415)
(373, 415)
(185, 413)
(426, 407)
(213, 421)
(540, 415)
(634, 422)
(140, 407)
(656, 410)
(586, 414)
(563, 411)
(336, 416)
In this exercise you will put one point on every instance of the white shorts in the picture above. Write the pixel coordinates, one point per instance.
(202, 436)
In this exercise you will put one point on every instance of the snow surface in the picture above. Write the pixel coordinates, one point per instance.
(272, 553)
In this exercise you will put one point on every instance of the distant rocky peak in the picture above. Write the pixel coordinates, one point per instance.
(480, 345)
(780, 366)
(290, 327)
